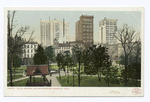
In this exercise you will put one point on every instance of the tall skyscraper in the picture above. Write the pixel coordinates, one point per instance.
(107, 30)
(84, 30)
(54, 29)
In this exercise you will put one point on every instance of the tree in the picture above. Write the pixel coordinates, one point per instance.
(111, 74)
(77, 55)
(15, 42)
(40, 56)
(60, 62)
(134, 73)
(68, 62)
(50, 55)
(129, 39)
(16, 62)
(99, 58)
(89, 69)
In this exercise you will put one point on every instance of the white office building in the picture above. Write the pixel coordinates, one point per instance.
(54, 29)
(107, 30)
(29, 50)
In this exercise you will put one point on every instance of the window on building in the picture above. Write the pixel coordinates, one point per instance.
(31, 51)
(28, 51)
(111, 23)
(28, 46)
(107, 22)
(24, 55)
(28, 55)
(31, 46)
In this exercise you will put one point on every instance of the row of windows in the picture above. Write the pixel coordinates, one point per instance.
(89, 23)
(87, 30)
(107, 23)
(87, 33)
(87, 26)
(28, 46)
(87, 19)
(87, 41)
(27, 56)
(28, 51)
(87, 37)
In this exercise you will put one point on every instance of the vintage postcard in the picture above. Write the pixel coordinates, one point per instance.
(73, 51)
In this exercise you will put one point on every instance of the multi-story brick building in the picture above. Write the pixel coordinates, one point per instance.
(84, 30)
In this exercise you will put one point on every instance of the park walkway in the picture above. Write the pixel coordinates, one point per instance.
(21, 78)
(55, 82)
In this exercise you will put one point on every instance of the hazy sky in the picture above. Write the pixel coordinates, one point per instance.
(32, 19)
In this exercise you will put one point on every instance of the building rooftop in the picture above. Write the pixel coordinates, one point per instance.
(105, 19)
(87, 16)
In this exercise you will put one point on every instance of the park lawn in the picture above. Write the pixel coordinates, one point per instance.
(24, 81)
(21, 68)
(55, 67)
(14, 77)
(86, 81)
(15, 72)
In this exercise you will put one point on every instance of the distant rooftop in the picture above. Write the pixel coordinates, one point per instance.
(105, 19)
(86, 16)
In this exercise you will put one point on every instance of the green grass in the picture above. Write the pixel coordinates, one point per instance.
(15, 72)
(55, 67)
(21, 68)
(24, 81)
(86, 81)
(14, 77)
